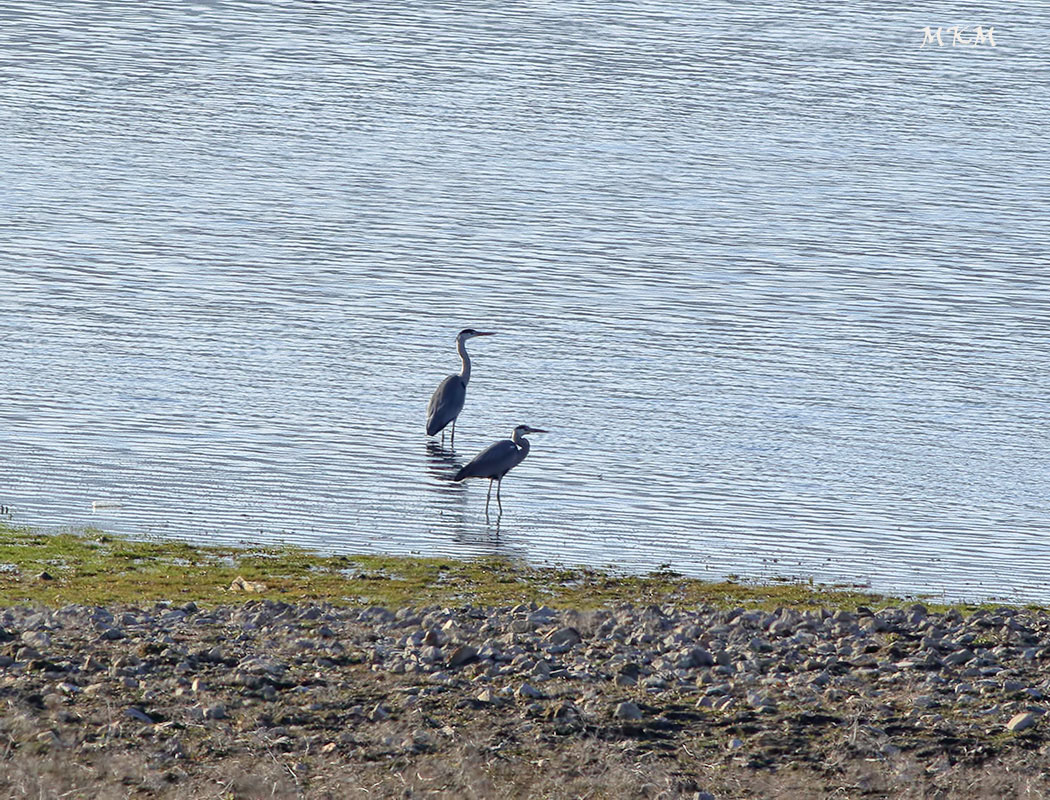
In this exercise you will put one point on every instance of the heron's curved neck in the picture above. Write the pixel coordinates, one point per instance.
(520, 441)
(461, 347)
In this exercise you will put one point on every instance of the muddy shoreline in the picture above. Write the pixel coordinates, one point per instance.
(272, 699)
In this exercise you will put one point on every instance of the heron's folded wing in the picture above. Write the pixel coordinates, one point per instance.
(492, 460)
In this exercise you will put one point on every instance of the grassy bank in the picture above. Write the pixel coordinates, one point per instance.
(96, 568)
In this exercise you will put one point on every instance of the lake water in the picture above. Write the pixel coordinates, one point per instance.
(775, 278)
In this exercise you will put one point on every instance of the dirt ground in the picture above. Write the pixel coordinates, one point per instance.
(273, 700)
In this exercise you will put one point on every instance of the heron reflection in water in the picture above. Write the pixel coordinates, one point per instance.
(497, 460)
(442, 464)
(447, 400)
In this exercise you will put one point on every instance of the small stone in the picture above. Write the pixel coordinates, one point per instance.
(541, 672)
(430, 654)
(241, 585)
(462, 655)
(26, 654)
(525, 690)
(1021, 722)
(379, 713)
(564, 637)
(696, 657)
(45, 576)
(760, 645)
(959, 657)
(735, 744)
(627, 711)
(138, 714)
(217, 711)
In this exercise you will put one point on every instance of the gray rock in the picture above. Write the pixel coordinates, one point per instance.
(1022, 722)
(463, 654)
(695, 657)
(36, 639)
(529, 692)
(431, 655)
(564, 637)
(433, 638)
(258, 665)
(627, 711)
(760, 645)
(959, 657)
(486, 696)
(26, 654)
(138, 714)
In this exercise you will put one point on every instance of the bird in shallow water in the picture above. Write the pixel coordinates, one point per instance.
(497, 460)
(447, 400)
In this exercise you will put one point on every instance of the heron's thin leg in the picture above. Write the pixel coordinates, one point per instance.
(499, 484)
(452, 441)
(488, 496)
(442, 437)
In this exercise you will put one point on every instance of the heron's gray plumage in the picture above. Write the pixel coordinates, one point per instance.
(494, 461)
(447, 400)
(446, 403)
(498, 459)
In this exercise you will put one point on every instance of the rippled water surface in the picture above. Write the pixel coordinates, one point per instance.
(776, 279)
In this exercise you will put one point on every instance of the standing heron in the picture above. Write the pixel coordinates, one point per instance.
(497, 460)
(447, 400)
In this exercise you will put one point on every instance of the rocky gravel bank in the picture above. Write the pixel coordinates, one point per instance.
(268, 699)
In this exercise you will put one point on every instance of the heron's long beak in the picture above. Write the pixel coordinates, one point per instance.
(485, 333)
(537, 430)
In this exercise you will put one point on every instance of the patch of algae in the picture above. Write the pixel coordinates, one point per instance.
(96, 568)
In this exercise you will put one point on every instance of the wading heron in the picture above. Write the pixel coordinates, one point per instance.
(447, 400)
(497, 460)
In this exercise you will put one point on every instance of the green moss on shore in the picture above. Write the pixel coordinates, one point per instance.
(96, 568)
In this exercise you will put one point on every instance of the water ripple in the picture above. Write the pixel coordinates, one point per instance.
(773, 276)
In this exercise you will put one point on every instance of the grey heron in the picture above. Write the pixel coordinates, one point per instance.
(497, 460)
(447, 400)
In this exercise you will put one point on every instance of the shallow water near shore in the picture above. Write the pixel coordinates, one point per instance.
(775, 280)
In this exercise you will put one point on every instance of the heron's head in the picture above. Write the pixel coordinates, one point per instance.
(522, 430)
(470, 333)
